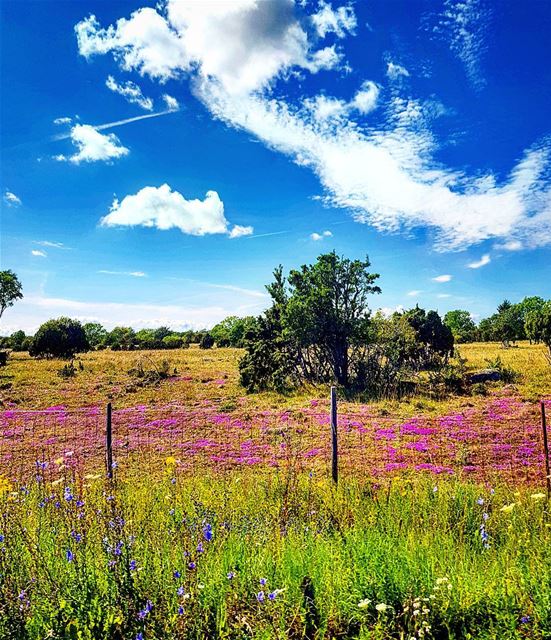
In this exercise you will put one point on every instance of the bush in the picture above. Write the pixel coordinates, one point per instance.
(61, 338)
(207, 341)
(172, 342)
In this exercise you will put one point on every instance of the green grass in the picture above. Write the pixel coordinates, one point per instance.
(388, 544)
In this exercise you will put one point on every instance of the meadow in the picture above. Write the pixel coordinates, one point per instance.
(222, 522)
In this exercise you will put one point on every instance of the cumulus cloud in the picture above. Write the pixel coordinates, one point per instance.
(236, 56)
(484, 260)
(11, 199)
(131, 92)
(163, 208)
(39, 254)
(395, 71)
(239, 231)
(320, 236)
(443, 278)
(93, 146)
(325, 108)
(339, 21)
(171, 103)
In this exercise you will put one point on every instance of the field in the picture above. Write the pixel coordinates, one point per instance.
(222, 521)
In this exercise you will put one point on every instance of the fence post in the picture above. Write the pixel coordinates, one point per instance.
(545, 449)
(334, 442)
(109, 443)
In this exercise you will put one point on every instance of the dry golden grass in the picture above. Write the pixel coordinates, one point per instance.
(213, 375)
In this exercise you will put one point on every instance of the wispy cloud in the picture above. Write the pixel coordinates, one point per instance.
(443, 278)
(484, 260)
(52, 245)
(39, 254)
(414, 293)
(11, 199)
(387, 173)
(118, 123)
(510, 245)
(131, 92)
(134, 274)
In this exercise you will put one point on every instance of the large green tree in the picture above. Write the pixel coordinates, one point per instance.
(538, 325)
(318, 326)
(60, 338)
(10, 290)
(461, 324)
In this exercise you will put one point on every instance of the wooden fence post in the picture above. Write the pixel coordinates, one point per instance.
(109, 443)
(334, 441)
(545, 449)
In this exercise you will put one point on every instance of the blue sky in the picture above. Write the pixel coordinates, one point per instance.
(414, 132)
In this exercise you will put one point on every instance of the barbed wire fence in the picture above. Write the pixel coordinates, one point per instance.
(502, 442)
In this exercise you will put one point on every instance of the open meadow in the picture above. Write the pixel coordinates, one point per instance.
(222, 520)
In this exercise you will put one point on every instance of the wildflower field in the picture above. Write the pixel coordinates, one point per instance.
(221, 520)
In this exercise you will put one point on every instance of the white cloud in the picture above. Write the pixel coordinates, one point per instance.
(162, 208)
(444, 295)
(510, 245)
(33, 310)
(463, 24)
(484, 260)
(244, 44)
(442, 278)
(320, 236)
(414, 292)
(39, 254)
(171, 103)
(239, 231)
(395, 71)
(64, 120)
(93, 146)
(131, 92)
(324, 108)
(388, 176)
(11, 199)
(328, 20)
(47, 243)
(134, 274)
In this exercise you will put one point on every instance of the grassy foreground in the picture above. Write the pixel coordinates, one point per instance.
(277, 556)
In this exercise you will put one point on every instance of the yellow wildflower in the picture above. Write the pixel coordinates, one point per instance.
(538, 496)
(508, 507)
(170, 461)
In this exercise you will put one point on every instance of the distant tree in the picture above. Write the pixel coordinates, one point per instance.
(527, 306)
(95, 334)
(10, 290)
(17, 340)
(508, 323)
(433, 337)
(173, 341)
(461, 325)
(504, 306)
(207, 341)
(538, 325)
(145, 339)
(231, 331)
(61, 338)
(159, 334)
(121, 338)
(487, 329)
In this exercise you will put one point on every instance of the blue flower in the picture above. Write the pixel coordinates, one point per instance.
(200, 548)
(1, 538)
(272, 595)
(177, 575)
(192, 565)
(180, 591)
(525, 619)
(231, 575)
(133, 565)
(180, 610)
(139, 636)
(480, 501)
(260, 596)
(69, 555)
(263, 581)
(207, 532)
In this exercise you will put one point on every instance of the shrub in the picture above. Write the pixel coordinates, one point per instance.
(207, 341)
(61, 338)
(172, 342)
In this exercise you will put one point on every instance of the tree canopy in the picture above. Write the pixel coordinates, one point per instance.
(10, 290)
(61, 338)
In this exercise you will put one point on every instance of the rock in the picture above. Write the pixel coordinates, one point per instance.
(485, 375)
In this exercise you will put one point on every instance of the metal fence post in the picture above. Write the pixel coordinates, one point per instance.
(545, 449)
(334, 441)
(109, 443)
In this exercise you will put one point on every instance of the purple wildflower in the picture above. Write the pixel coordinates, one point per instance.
(69, 555)
(260, 596)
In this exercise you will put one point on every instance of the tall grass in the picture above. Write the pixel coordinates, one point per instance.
(273, 556)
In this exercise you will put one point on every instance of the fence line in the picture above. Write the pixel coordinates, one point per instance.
(501, 441)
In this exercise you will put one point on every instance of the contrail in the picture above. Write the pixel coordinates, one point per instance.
(119, 123)
(264, 235)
